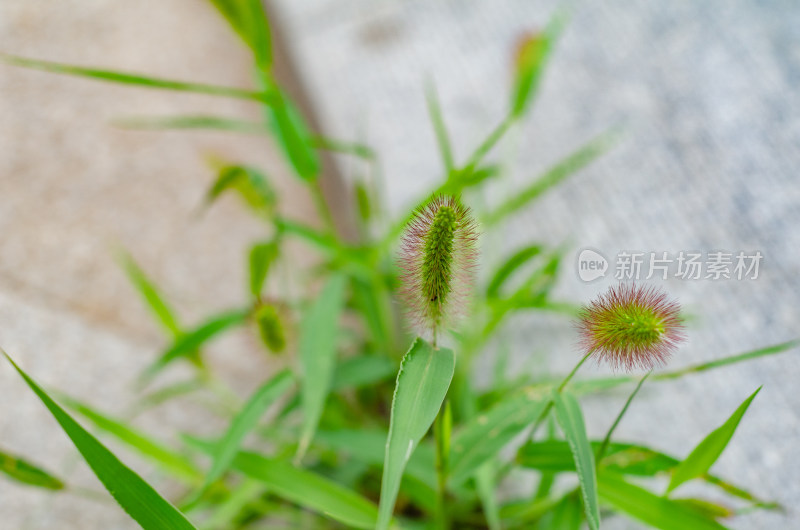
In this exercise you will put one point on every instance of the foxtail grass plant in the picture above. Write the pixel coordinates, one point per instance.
(376, 422)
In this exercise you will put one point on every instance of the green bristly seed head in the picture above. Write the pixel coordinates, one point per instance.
(437, 262)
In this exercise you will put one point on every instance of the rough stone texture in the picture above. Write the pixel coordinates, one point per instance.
(708, 94)
(73, 189)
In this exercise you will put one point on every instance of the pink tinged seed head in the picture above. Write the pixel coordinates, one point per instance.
(631, 326)
(437, 261)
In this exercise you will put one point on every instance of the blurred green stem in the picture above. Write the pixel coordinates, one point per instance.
(441, 433)
(563, 384)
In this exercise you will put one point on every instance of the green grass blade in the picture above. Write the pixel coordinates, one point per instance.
(244, 422)
(136, 79)
(601, 451)
(260, 259)
(133, 494)
(556, 174)
(567, 514)
(655, 511)
(708, 451)
(439, 128)
(607, 383)
(487, 433)
(260, 38)
(718, 363)
(252, 185)
(294, 137)
(569, 415)
(151, 295)
(364, 370)
(214, 123)
(23, 471)
(486, 484)
(369, 446)
(508, 267)
(309, 490)
(532, 58)
(187, 344)
(338, 146)
(167, 459)
(422, 382)
(317, 351)
(302, 487)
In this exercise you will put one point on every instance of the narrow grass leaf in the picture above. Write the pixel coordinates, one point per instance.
(508, 267)
(480, 439)
(567, 514)
(422, 382)
(293, 135)
(187, 345)
(532, 56)
(308, 490)
(136, 79)
(733, 359)
(260, 259)
(708, 451)
(317, 352)
(363, 370)
(569, 415)
(439, 128)
(252, 185)
(23, 471)
(151, 295)
(653, 510)
(173, 463)
(486, 484)
(558, 173)
(133, 494)
(198, 121)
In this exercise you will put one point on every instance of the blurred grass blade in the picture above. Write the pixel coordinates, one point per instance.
(556, 174)
(133, 494)
(294, 136)
(655, 511)
(514, 262)
(260, 259)
(27, 473)
(187, 344)
(718, 363)
(252, 185)
(248, 19)
(486, 434)
(244, 422)
(554, 456)
(304, 488)
(439, 128)
(149, 292)
(569, 415)
(309, 490)
(422, 383)
(369, 446)
(317, 353)
(567, 514)
(136, 79)
(607, 383)
(173, 463)
(199, 121)
(364, 370)
(708, 451)
(532, 54)
(602, 450)
(486, 484)
(338, 146)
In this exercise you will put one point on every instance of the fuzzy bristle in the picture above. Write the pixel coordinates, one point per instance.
(438, 257)
(630, 327)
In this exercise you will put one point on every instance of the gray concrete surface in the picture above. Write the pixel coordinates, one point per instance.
(708, 94)
(73, 189)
